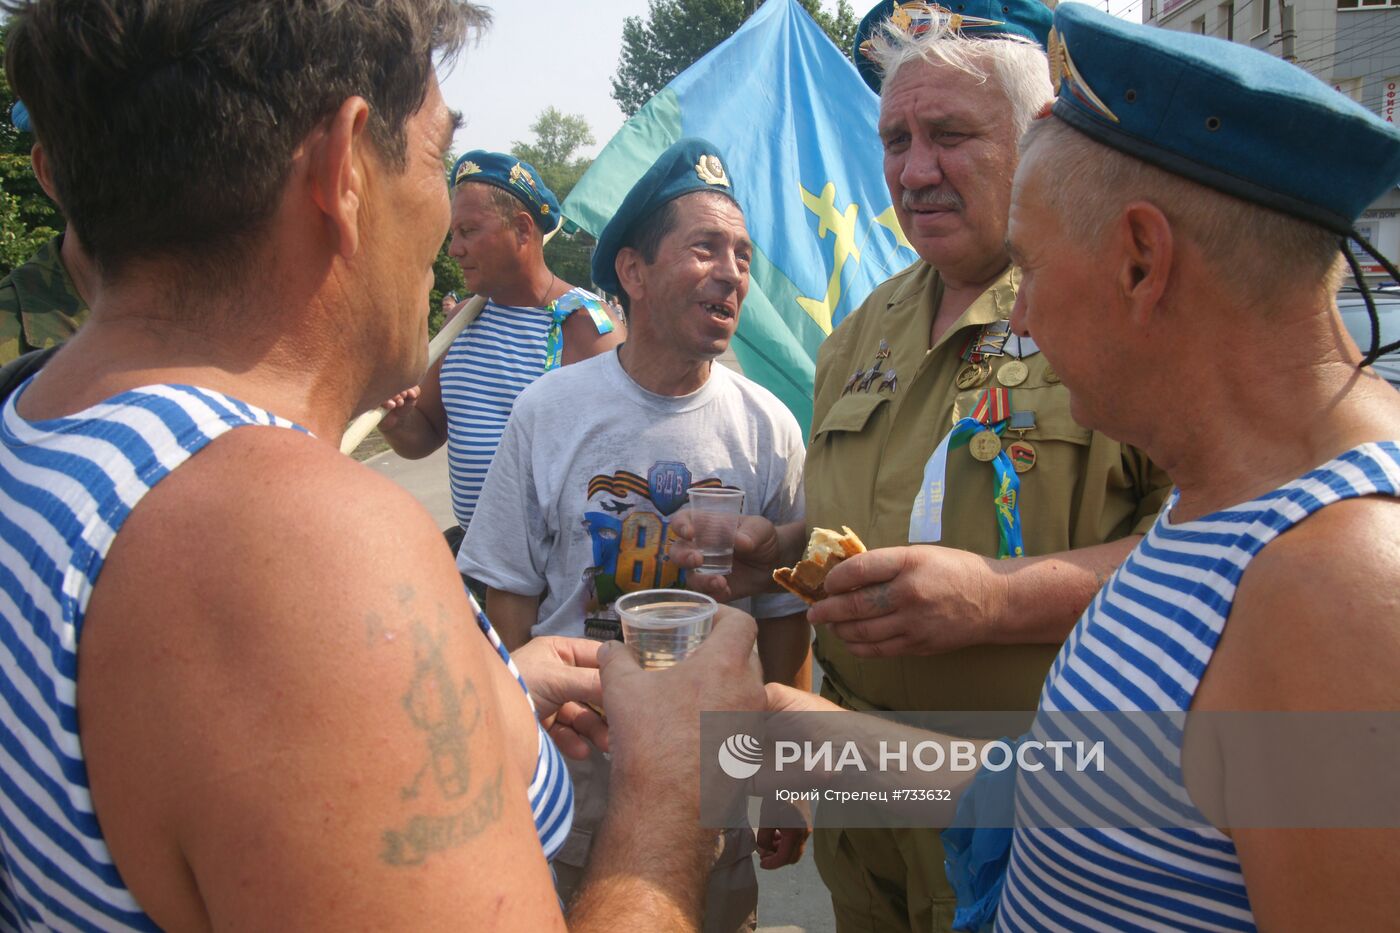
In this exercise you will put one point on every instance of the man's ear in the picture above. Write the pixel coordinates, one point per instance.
(42, 171)
(630, 272)
(335, 164)
(1147, 250)
(524, 226)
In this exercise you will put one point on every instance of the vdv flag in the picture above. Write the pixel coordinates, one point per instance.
(797, 128)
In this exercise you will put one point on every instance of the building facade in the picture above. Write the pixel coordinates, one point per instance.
(1353, 45)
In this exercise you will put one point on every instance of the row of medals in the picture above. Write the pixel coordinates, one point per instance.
(985, 445)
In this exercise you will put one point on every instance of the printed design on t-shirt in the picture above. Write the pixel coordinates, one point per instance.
(627, 520)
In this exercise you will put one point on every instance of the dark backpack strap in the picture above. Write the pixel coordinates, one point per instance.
(13, 373)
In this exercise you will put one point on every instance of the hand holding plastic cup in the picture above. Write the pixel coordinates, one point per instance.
(715, 513)
(663, 626)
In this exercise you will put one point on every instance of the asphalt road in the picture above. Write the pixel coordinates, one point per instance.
(790, 900)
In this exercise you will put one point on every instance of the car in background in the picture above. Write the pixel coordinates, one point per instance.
(1358, 324)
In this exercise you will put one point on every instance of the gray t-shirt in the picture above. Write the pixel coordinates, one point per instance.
(592, 468)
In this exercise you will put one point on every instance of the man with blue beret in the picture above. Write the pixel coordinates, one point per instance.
(598, 458)
(42, 300)
(532, 322)
(991, 513)
(1189, 202)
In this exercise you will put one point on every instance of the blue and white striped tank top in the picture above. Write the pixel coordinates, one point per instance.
(1144, 644)
(66, 487)
(485, 370)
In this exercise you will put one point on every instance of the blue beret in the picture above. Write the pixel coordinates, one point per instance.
(976, 19)
(19, 116)
(690, 165)
(512, 176)
(1235, 119)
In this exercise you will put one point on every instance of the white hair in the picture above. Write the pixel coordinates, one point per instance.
(1018, 65)
(1259, 249)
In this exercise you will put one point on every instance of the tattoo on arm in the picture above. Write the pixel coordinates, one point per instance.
(444, 706)
(448, 713)
(426, 835)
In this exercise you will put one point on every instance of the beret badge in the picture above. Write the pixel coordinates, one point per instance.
(521, 178)
(710, 170)
(915, 19)
(1063, 70)
(466, 169)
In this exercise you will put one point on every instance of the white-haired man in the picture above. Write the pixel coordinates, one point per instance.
(951, 627)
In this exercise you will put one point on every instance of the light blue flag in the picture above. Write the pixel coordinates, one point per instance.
(797, 129)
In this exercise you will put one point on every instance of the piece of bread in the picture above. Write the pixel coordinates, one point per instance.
(825, 550)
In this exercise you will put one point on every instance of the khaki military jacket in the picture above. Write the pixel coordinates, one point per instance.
(39, 307)
(871, 438)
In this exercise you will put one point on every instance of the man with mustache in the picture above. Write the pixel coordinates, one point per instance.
(963, 450)
(598, 456)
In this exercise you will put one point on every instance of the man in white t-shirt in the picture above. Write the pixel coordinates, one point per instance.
(597, 458)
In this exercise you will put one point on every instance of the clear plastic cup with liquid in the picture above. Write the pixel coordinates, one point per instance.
(715, 513)
(663, 626)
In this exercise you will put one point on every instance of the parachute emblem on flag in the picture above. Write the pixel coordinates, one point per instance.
(710, 170)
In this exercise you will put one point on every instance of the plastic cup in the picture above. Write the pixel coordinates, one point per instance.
(663, 626)
(716, 515)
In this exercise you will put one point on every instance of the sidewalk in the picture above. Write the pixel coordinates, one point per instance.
(791, 900)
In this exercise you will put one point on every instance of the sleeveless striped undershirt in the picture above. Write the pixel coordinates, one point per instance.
(1144, 644)
(66, 487)
(484, 371)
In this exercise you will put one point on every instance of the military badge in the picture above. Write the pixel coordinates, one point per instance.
(1063, 70)
(710, 170)
(891, 382)
(985, 445)
(973, 375)
(465, 170)
(1013, 373)
(1022, 452)
(1023, 456)
(915, 19)
(521, 178)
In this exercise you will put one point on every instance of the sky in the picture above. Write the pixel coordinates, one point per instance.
(560, 53)
(537, 54)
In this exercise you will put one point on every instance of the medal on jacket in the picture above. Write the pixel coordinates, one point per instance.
(1021, 451)
(989, 420)
(972, 375)
(1013, 373)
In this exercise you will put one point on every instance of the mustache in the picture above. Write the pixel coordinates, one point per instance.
(936, 197)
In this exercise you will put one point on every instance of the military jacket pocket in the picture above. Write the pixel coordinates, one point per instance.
(850, 414)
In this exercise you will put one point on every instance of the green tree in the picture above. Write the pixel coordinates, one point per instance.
(677, 33)
(555, 153)
(558, 138)
(27, 216)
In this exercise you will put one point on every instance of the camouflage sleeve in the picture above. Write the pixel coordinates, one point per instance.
(11, 333)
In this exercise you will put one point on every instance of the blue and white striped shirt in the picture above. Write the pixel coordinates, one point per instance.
(67, 486)
(1144, 644)
(485, 370)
